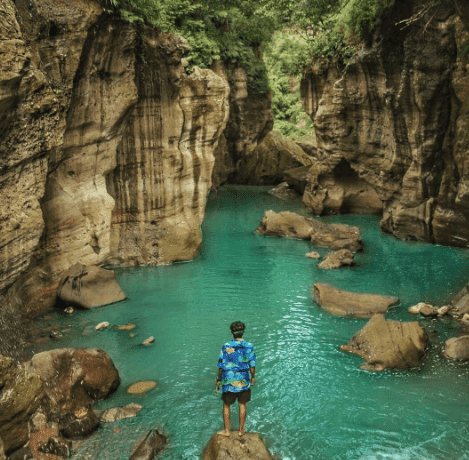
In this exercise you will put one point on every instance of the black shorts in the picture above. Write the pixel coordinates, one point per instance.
(243, 397)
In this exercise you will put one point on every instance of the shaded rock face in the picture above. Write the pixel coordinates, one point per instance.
(251, 446)
(354, 304)
(396, 116)
(88, 287)
(387, 344)
(106, 146)
(74, 377)
(266, 164)
(249, 122)
(21, 393)
(153, 443)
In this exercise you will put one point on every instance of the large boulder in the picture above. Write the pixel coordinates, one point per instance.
(153, 443)
(338, 259)
(21, 393)
(347, 303)
(387, 344)
(297, 178)
(251, 446)
(74, 377)
(88, 287)
(336, 236)
(267, 163)
(285, 223)
(457, 348)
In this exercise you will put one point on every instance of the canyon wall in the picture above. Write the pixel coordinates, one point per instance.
(395, 118)
(106, 145)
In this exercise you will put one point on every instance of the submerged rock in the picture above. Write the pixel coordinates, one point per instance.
(348, 303)
(75, 377)
(341, 258)
(251, 446)
(387, 344)
(21, 393)
(153, 443)
(88, 287)
(126, 327)
(118, 413)
(457, 348)
(141, 387)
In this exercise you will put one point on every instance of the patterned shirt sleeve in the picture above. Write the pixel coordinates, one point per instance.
(220, 359)
(251, 356)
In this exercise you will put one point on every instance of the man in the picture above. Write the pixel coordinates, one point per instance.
(236, 361)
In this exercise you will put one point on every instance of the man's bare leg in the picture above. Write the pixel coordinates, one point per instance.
(226, 421)
(242, 418)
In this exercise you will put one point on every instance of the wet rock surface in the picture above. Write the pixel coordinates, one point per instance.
(21, 393)
(74, 377)
(386, 344)
(88, 287)
(79, 425)
(348, 303)
(153, 443)
(338, 259)
(118, 413)
(251, 446)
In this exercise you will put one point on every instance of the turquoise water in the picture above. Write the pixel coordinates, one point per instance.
(311, 400)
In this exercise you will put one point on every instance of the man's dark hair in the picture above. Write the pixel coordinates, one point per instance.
(237, 329)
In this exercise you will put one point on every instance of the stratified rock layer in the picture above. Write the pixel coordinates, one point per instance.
(396, 117)
(355, 304)
(387, 344)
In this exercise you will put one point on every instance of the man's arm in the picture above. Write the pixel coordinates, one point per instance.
(253, 375)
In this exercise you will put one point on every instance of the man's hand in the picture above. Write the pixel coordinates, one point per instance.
(217, 387)
(253, 381)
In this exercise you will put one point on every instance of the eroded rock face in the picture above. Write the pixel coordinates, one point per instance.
(21, 393)
(74, 377)
(267, 163)
(396, 116)
(249, 447)
(107, 149)
(347, 303)
(387, 344)
(338, 259)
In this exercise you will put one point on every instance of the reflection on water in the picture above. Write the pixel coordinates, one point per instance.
(311, 400)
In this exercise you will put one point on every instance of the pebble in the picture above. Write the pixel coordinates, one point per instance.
(313, 255)
(102, 325)
(148, 341)
(132, 335)
(69, 310)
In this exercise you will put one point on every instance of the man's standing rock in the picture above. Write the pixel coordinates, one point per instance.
(251, 446)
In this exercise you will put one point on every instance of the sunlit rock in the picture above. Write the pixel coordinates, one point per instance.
(336, 236)
(141, 387)
(118, 413)
(101, 326)
(386, 344)
(457, 348)
(251, 446)
(347, 303)
(313, 255)
(285, 223)
(148, 341)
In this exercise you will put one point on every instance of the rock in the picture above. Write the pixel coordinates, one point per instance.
(132, 335)
(442, 311)
(457, 348)
(286, 224)
(465, 319)
(342, 258)
(74, 377)
(353, 304)
(21, 393)
(37, 422)
(313, 255)
(126, 327)
(88, 287)
(2, 450)
(55, 335)
(101, 326)
(427, 310)
(336, 236)
(387, 344)
(266, 163)
(297, 178)
(69, 310)
(284, 192)
(249, 447)
(118, 413)
(148, 341)
(141, 387)
(149, 447)
(56, 446)
(415, 309)
(21, 454)
(72, 427)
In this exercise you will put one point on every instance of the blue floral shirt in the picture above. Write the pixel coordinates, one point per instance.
(235, 360)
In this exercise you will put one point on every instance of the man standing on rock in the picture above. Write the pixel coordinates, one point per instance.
(236, 361)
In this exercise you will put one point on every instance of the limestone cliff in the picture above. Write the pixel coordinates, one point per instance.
(106, 145)
(394, 118)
